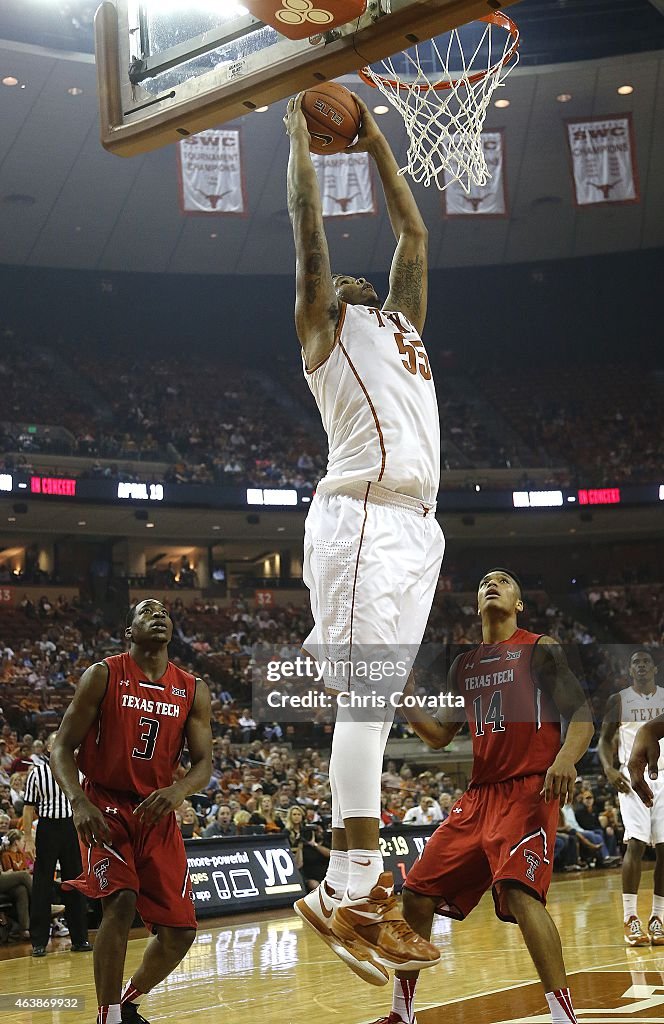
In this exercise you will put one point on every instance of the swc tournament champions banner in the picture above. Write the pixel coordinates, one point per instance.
(488, 200)
(603, 158)
(346, 185)
(229, 876)
(210, 172)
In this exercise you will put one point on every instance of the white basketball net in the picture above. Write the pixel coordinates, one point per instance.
(445, 126)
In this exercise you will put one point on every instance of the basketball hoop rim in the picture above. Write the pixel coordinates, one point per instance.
(494, 18)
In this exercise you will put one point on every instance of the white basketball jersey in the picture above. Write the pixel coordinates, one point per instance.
(377, 401)
(635, 710)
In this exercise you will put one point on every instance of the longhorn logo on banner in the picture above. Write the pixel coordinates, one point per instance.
(603, 160)
(210, 166)
(488, 200)
(345, 184)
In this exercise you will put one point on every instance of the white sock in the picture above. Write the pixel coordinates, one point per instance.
(337, 872)
(657, 907)
(560, 1004)
(629, 905)
(364, 869)
(403, 999)
(110, 1014)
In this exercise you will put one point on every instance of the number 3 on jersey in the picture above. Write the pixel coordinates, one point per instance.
(148, 738)
(494, 715)
(415, 356)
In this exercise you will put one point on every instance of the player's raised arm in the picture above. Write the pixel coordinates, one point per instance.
(199, 741)
(435, 730)
(552, 671)
(645, 756)
(77, 722)
(316, 303)
(606, 748)
(408, 273)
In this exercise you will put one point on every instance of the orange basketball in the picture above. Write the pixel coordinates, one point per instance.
(333, 117)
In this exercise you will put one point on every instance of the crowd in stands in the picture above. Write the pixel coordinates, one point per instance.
(602, 422)
(241, 426)
(634, 613)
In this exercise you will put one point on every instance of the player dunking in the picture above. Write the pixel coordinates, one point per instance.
(130, 718)
(626, 711)
(372, 546)
(501, 833)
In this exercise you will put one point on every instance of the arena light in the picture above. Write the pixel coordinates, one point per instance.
(625, 90)
(537, 499)
(6, 482)
(501, 104)
(661, 492)
(564, 97)
(381, 109)
(10, 81)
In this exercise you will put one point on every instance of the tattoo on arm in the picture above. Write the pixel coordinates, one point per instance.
(406, 286)
(313, 266)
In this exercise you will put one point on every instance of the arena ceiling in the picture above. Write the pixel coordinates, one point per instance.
(66, 203)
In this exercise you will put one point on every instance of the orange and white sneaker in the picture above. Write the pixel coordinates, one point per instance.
(375, 923)
(656, 931)
(317, 910)
(634, 933)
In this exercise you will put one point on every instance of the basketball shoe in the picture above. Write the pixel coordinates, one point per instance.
(655, 931)
(634, 933)
(375, 923)
(317, 909)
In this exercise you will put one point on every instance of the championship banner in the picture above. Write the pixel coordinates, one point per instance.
(345, 184)
(488, 200)
(603, 158)
(210, 172)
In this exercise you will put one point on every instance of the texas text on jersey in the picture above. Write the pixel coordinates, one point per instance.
(514, 724)
(135, 745)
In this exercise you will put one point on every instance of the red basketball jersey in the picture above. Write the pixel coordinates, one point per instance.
(514, 724)
(136, 742)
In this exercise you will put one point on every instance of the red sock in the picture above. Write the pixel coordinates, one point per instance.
(131, 994)
(560, 1005)
(403, 997)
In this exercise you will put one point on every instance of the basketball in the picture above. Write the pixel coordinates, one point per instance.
(333, 117)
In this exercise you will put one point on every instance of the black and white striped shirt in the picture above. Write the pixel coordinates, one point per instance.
(43, 792)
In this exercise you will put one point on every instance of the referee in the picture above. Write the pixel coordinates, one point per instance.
(56, 841)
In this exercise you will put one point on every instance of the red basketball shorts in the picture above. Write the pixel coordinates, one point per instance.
(148, 859)
(494, 834)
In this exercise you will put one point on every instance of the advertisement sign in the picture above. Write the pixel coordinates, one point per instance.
(401, 846)
(229, 876)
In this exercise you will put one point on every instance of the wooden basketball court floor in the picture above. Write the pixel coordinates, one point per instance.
(271, 968)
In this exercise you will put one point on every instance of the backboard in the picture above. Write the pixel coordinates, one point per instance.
(170, 68)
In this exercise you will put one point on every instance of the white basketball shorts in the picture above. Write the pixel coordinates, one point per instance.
(371, 564)
(641, 822)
